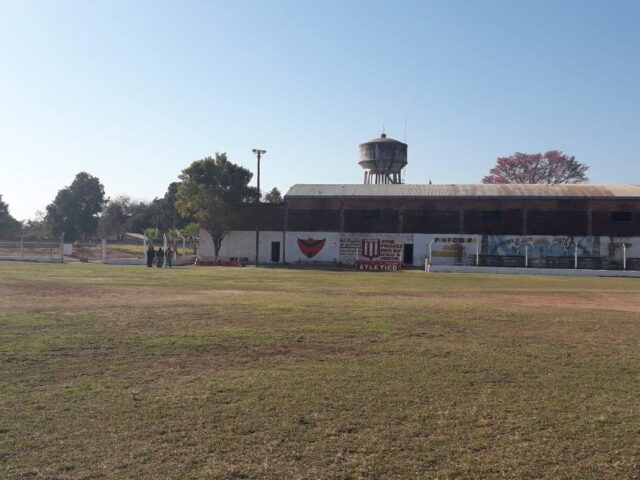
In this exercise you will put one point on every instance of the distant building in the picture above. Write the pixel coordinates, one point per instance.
(387, 221)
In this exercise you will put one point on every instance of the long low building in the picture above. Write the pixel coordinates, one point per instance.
(597, 226)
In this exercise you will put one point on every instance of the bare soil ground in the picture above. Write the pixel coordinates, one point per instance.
(224, 373)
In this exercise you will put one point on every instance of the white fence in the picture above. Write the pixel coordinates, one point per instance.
(28, 251)
(133, 251)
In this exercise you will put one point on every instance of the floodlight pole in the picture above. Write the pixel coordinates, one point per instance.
(258, 153)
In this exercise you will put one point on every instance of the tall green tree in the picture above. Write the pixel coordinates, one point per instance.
(274, 196)
(211, 190)
(191, 232)
(75, 209)
(36, 228)
(9, 226)
(116, 216)
(170, 217)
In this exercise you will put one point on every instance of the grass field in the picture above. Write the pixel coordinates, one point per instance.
(128, 372)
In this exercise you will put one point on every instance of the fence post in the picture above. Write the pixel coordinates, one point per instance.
(103, 251)
(477, 253)
(22, 247)
(576, 256)
(624, 256)
(430, 243)
(62, 248)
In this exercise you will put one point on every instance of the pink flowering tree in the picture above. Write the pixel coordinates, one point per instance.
(552, 167)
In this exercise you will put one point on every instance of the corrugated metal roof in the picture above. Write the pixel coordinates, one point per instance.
(469, 191)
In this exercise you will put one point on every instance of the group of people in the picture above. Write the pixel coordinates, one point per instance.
(162, 258)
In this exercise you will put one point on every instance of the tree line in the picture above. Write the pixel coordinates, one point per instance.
(205, 192)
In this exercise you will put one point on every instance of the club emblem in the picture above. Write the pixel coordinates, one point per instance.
(311, 247)
(370, 249)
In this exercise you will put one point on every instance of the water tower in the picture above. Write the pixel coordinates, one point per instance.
(383, 160)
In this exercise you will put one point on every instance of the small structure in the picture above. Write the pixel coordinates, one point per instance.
(383, 160)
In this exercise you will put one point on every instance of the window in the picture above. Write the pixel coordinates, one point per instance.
(491, 216)
(371, 214)
(620, 216)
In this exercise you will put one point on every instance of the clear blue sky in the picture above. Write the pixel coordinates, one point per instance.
(133, 91)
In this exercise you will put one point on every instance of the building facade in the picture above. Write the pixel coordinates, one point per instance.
(597, 226)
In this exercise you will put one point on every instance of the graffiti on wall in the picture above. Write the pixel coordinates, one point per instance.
(502, 245)
(371, 248)
(372, 253)
(310, 247)
(540, 246)
(451, 247)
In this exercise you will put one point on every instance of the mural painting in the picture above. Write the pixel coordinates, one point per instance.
(311, 247)
(540, 246)
(371, 253)
(455, 248)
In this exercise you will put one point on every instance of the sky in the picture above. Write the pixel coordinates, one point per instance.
(133, 92)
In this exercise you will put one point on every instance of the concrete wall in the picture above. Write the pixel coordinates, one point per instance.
(568, 272)
(543, 251)
(67, 249)
(45, 259)
(241, 244)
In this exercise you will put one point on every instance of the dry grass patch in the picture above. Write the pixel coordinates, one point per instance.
(124, 372)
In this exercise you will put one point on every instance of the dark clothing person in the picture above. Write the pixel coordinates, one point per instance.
(150, 254)
(160, 257)
(169, 257)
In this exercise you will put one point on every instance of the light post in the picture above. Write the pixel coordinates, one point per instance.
(258, 153)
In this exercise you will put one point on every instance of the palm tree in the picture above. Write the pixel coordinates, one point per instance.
(151, 233)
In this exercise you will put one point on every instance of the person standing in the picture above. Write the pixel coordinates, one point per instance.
(150, 254)
(169, 257)
(160, 257)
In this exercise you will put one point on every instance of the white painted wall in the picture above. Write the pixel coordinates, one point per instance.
(242, 244)
(632, 247)
(444, 250)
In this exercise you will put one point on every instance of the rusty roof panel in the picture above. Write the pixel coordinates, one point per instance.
(631, 191)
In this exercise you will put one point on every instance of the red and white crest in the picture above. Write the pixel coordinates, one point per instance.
(310, 247)
(370, 249)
